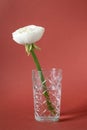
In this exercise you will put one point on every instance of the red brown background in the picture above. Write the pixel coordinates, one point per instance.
(64, 45)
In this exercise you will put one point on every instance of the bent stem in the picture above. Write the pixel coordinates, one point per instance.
(30, 49)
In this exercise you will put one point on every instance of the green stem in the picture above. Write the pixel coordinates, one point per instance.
(37, 65)
(46, 94)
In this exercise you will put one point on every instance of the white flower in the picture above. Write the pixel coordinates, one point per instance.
(28, 34)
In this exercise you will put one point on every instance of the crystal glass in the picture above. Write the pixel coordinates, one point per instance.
(47, 94)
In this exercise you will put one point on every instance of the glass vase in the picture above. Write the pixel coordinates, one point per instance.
(47, 94)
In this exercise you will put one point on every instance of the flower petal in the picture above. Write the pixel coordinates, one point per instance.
(28, 34)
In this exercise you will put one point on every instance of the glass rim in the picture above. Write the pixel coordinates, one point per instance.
(48, 69)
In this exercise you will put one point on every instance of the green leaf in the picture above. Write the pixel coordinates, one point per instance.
(36, 47)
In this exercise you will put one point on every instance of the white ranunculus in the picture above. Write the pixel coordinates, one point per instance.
(28, 34)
